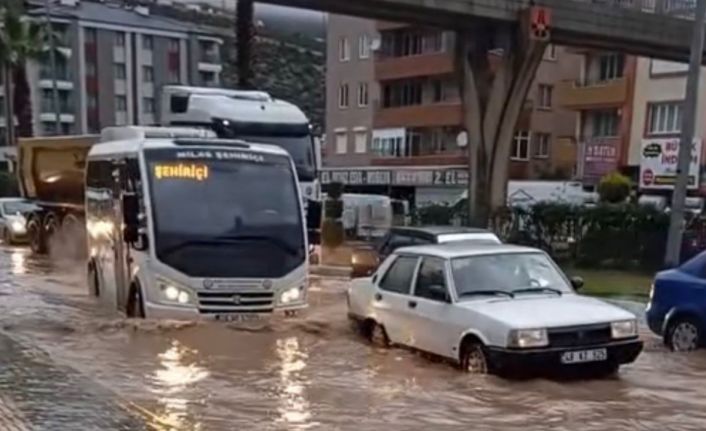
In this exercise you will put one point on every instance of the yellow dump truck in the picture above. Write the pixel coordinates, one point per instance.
(51, 173)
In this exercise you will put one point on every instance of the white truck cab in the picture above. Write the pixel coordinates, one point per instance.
(183, 225)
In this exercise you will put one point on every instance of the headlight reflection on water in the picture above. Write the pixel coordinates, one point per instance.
(19, 265)
(294, 407)
(173, 381)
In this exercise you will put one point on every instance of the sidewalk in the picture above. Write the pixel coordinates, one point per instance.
(37, 394)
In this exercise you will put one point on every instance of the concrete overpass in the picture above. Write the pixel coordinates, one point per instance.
(646, 28)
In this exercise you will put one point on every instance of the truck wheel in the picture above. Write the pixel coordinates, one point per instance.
(51, 228)
(135, 303)
(36, 237)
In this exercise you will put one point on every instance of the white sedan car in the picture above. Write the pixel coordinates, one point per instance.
(490, 308)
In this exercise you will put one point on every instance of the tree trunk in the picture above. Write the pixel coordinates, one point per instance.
(9, 112)
(22, 101)
(244, 37)
(497, 64)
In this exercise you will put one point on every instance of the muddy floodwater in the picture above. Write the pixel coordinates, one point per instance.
(313, 373)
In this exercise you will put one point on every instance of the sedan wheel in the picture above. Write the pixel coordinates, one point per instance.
(474, 360)
(684, 336)
(378, 336)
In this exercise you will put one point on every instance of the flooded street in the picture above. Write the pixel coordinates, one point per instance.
(313, 372)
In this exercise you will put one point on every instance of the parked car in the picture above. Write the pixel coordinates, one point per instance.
(677, 307)
(491, 308)
(13, 224)
(366, 260)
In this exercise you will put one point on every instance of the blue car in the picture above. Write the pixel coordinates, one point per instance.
(677, 307)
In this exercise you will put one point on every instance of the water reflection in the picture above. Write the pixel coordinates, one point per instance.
(174, 382)
(294, 409)
(19, 265)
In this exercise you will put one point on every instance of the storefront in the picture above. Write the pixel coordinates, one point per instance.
(419, 186)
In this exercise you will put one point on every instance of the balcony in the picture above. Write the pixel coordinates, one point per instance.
(211, 57)
(389, 25)
(430, 115)
(573, 95)
(446, 159)
(389, 68)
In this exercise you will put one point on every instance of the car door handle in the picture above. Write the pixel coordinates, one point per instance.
(412, 304)
(378, 297)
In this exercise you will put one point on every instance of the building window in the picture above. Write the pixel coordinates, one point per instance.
(90, 35)
(343, 96)
(173, 46)
(147, 42)
(344, 49)
(664, 118)
(174, 77)
(120, 39)
(550, 52)
(437, 90)
(363, 47)
(147, 74)
(405, 93)
(363, 94)
(120, 104)
(606, 124)
(361, 141)
(341, 142)
(90, 69)
(611, 66)
(390, 146)
(545, 96)
(542, 141)
(521, 145)
(148, 105)
(120, 71)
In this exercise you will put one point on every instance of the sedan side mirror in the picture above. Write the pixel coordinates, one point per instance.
(577, 282)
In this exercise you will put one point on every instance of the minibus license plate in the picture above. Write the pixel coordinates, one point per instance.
(239, 317)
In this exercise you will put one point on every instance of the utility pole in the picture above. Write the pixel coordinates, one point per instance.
(676, 222)
(52, 59)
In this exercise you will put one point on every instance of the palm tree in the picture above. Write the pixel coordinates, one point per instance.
(21, 40)
(244, 37)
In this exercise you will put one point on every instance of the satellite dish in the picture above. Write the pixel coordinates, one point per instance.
(375, 44)
(462, 139)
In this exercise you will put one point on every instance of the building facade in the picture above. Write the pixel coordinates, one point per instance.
(111, 62)
(394, 114)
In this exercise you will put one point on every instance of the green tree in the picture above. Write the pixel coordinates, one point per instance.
(614, 188)
(244, 36)
(20, 40)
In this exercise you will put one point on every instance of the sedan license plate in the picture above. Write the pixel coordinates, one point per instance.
(583, 356)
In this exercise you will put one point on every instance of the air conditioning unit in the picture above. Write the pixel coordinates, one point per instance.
(71, 3)
(142, 10)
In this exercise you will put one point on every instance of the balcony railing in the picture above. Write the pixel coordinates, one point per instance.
(62, 74)
(576, 95)
(210, 57)
(65, 107)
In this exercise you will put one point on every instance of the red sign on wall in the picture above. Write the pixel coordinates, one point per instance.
(540, 22)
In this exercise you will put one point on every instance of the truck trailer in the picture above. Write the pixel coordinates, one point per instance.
(51, 172)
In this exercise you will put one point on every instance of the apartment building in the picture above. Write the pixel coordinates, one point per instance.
(602, 96)
(394, 113)
(111, 62)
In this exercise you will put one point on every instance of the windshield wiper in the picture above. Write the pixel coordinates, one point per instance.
(486, 292)
(538, 290)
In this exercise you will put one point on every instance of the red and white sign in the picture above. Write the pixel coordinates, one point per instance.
(658, 163)
(540, 22)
